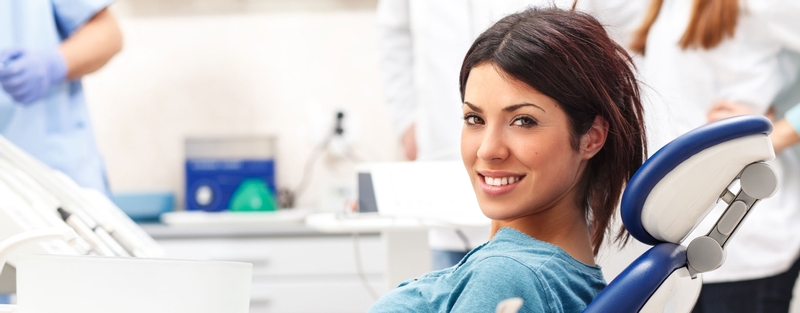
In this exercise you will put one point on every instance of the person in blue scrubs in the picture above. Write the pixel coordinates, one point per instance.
(46, 46)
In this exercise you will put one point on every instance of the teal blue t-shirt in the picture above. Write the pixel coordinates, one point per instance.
(511, 265)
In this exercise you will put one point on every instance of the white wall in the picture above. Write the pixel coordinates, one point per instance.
(281, 72)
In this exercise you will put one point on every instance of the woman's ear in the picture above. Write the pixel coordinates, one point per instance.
(595, 138)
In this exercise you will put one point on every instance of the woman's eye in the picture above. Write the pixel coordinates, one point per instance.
(472, 120)
(524, 121)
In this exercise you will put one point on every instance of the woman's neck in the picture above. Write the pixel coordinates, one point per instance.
(563, 227)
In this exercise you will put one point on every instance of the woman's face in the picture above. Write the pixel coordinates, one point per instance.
(516, 147)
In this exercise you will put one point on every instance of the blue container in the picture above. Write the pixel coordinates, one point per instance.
(223, 167)
(211, 183)
(144, 206)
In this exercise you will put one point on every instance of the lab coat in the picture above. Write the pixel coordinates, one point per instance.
(423, 44)
(757, 67)
(55, 129)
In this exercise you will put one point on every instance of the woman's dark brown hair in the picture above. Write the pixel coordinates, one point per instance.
(568, 56)
(711, 22)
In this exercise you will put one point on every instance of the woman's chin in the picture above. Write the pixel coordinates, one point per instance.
(495, 214)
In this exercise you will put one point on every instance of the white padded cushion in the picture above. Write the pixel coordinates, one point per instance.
(678, 203)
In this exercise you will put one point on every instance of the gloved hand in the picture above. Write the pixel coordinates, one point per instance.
(28, 75)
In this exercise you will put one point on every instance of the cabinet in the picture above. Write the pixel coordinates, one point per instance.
(295, 269)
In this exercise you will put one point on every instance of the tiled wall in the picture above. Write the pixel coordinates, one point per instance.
(271, 72)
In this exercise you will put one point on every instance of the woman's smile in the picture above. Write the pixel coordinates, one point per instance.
(498, 183)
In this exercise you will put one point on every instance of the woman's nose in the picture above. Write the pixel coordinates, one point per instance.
(493, 147)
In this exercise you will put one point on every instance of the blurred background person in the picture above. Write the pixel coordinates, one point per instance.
(45, 48)
(698, 53)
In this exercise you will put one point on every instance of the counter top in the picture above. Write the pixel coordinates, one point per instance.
(195, 224)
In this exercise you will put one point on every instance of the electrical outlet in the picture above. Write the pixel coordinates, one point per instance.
(339, 127)
(338, 146)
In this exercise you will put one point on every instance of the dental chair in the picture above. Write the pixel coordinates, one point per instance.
(671, 194)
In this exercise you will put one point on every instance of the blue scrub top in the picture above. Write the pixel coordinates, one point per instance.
(55, 129)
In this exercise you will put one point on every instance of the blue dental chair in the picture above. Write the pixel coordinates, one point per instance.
(671, 194)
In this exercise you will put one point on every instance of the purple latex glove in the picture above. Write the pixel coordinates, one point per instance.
(28, 75)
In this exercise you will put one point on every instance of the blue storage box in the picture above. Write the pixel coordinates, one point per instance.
(230, 173)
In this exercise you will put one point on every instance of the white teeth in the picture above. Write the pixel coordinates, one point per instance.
(500, 181)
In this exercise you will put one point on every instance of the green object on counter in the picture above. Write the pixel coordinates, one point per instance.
(252, 195)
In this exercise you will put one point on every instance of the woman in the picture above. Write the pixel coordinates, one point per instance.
(698, 55)
(422, 45)
(552, 132)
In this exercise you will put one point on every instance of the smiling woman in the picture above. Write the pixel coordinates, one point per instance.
(584, 88)
(516, 147)
(553, 130)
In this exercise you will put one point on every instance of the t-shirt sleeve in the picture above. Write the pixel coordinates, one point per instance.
(72, 14)
(496, 279)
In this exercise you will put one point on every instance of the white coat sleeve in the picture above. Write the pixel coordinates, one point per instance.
(620, 17)
(397, 62)
(782, 18)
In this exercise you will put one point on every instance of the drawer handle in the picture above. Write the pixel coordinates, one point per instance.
(260, 303)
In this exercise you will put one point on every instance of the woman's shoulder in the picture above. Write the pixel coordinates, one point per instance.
(544, 266)
(541, 284)
(543, 275)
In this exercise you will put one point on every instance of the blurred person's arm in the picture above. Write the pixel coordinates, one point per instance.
(783, 135)
(784, 132)
(780, 19)
(725, 109)
(397, 64)
(91, 46)
(27, 75)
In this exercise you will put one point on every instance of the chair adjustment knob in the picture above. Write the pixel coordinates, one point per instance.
(705, 254)
(759, 180)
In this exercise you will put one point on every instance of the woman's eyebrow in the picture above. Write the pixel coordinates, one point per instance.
(515, 107)
(473, 107)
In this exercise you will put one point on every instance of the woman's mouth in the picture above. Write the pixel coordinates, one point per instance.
(500, 181)
(499, 185)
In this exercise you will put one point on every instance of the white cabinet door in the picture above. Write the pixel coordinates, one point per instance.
(299, 273)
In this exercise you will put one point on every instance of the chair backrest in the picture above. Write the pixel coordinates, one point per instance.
(671, 194)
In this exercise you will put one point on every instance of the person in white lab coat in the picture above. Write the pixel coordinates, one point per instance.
(701, 53)
(422, 44)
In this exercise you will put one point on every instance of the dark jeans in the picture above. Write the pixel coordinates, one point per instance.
(765, 295)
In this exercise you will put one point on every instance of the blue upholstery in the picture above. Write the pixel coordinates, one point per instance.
(672, 155)
(631, 289)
